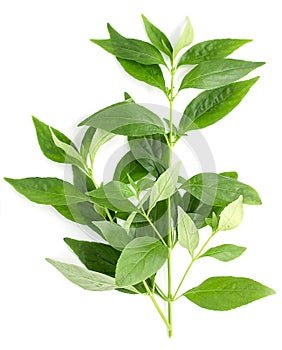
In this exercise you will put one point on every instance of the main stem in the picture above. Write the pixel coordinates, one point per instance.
(169, 236)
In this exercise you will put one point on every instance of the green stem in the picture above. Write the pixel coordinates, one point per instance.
(169, 237)
(156, 305)
(191, 264)
(153, 226)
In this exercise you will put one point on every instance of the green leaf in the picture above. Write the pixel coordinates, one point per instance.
(82, 181)
(114, 234)
(232, 174)
(210, 50)
(82, 213)
(231, 216)
(157, 37)
(165, 185)
(46, 142)
(128, 165)
(186, 37)
(152, 152)
(226, 293)
(140, 259)
(86, 142)
(126, 118)
(89, 280)
(216, 73)
(127, 97)
(218, 190)
(224, 252)
(188, 234)
(130, 49)
(95, 256)
(212, 105)
(212, 221)
(150, 74)
(99, 139)
(72, 155)
(48, 190)
(114, 196)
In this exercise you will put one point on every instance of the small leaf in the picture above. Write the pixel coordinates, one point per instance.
(232, 174)
(128, 165)
(95, 256)
(218, 190)
(188, 234)
(86, 142)
(46, 142)
(114, 234)
(186, 37)
(210, 50)
(150, 74)
(114, 196)
(99, 139)
(140, 259)
(216, 73)
(212, 222)
(165, 185)
(72, 155)
(129, 221)
(226, 293)
(126, 118)
(231, 216)
(48, 190)
(157, 37)
(224, 252)
(89, 280)
(212, 105)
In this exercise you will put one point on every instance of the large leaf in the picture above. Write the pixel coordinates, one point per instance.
(165, 185)
(46, 142)
(126, 118)
(224, 252)
(128, 165)
(226, 293)
(114, 195)
(212, 105)
(48, 190)
(210, 50)
(218, 190)
(188, 234)
(157, 37)
(186, 37)
(152, 152)
(231, 216)
(216, 73)
(150, 74)
(95, 256)
(130, 49)
(116, 235)
(140, 259)
(89, 280)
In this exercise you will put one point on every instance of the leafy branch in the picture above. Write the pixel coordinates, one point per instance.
(148, 207)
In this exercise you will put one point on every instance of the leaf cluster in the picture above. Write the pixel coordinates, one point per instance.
(148, 207)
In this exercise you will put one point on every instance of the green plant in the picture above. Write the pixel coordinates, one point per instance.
(148, 207)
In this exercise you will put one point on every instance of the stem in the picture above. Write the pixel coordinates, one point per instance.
(191, 264)
(153, 226)
(156, 305)
(169, 237)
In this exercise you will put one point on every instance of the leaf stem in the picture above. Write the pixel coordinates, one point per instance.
(157, 305)
(191, 264)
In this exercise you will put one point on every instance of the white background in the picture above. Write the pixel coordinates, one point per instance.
(50, 69)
